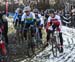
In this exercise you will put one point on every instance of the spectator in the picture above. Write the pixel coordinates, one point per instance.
(73, 16)
(4, 23)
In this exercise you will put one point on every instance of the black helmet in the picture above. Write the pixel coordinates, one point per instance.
(51, 11)
(20, 11)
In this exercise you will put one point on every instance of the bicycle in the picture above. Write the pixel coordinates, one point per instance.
(19, 36)
(30, 41)
(55, 42)
(37, 35)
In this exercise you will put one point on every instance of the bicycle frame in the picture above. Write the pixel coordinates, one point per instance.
(56, 34)
(30, 40)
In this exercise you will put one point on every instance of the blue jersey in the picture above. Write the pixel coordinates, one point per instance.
(17, 17)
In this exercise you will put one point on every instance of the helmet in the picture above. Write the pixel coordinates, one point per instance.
(35, 10)
(51, 11)
(17, 10)
(27, 8)
(20, 11)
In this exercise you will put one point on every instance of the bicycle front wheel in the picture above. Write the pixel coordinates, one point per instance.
(54, 46)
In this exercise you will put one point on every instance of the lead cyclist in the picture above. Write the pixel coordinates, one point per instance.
(28, 18)
(53, 22)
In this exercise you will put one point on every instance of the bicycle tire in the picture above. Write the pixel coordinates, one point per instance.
(28, 46)
(17, 37)
(30, 43)
(54, 46)
(37, 38)
(20, 38)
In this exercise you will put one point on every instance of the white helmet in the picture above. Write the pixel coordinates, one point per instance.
(27, 8)
(35, 10)
(17, 10)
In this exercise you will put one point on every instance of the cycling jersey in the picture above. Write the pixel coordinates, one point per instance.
(17, 17)
(52, 24)
(56, 20)
(29, 19)
(39, 19)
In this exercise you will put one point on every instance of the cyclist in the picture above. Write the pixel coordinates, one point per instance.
(17, 24)
(4, 26)
(46, 14)
(53, 22)
(39, 21)
(28, 19)
(17, 16)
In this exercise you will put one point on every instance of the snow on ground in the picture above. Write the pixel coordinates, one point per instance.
(69, 49)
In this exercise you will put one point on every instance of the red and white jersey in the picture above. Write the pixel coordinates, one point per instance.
(56, 18)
